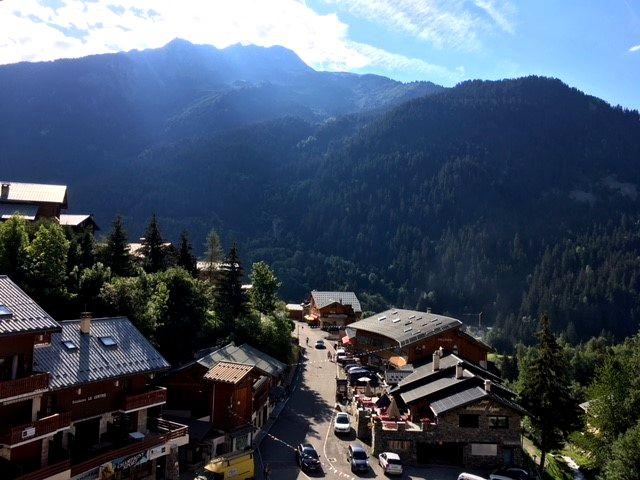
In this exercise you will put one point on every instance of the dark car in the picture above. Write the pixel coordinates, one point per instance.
(358, 458)
(307, 457)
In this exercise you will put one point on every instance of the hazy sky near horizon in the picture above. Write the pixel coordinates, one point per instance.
(592, 45)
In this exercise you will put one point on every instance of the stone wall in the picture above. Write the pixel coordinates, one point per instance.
(477, 443)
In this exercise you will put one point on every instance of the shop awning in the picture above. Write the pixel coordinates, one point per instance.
(347, 340)
(398, 361)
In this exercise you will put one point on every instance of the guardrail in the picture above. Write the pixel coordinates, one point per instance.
(141, 400)
(23, 386)
(22, 433)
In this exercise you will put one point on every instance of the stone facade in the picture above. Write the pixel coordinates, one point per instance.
(447, 442)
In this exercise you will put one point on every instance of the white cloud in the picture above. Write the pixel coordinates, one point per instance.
(635, 48)
(443, 23)
(34, 31)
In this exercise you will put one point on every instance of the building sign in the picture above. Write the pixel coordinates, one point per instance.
(109, 470)
(28, 432)
(97, 396)
(90, 475)
(157, 452)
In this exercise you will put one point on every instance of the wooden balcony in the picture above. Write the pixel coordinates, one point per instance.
(37, 382)
(146, 399)
(161, 431)
(46, 472)
(28, 431)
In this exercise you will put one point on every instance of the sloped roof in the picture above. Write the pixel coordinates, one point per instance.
(322, 299)
(35, 193)
(244, 355)
(24, 210)
(92, 360)
(459, 399)
(73, 220)
(228, 372)
(430, 388)
(406, 326)
(24, 314)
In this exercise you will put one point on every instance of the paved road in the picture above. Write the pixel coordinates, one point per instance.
(308, 418)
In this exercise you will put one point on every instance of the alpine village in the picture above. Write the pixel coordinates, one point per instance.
(287, 256)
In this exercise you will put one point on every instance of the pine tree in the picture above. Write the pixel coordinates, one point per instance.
(116, 251)
(185, 257)
(153, 248)
(213, 256)
(230, 300)
(545, 392)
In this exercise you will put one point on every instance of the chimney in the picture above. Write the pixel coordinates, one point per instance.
(436, 361)
(5, 190)
(487, 385)
(459, 370)
(85, 322)
(428, 309)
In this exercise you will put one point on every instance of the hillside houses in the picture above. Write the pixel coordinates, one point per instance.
(35, 201)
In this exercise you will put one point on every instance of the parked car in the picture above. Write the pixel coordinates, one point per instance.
(320, 344)
(470, 476)
(358, 458)
(390, 463)
(357, 368)
(342, 423)
(343, 358)
(511, 473)
(307, 457)
(347, 366)
(340, 351)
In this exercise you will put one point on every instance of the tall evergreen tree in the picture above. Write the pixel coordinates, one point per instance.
(545, 392)
(230, 300)
(116, 251)
(213, 256)
(185, 257)
(153, 248)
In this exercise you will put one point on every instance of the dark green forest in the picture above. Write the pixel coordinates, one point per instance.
(511, 198)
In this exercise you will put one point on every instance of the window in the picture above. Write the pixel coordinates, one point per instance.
(399, 445)
(69, 345)
(484, 449)
(108, 341)
(469, 421)
(500, 421)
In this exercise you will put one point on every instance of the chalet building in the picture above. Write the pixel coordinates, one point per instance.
(333, 309)
(457, 413)
(295, 311)
(399, 337)
(34, 201)
(101, 372)
(25, 428)
(225, 396)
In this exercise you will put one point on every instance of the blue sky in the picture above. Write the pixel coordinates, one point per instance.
(592, 45)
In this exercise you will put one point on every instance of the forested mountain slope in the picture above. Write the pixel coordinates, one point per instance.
(489, 196)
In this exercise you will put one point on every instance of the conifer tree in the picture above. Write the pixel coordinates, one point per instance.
(213, 256)
(153, 249)
(116, 251)
(185, 257)
(545, 392)
(230, 299)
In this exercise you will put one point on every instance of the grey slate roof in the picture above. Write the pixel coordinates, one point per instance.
(430, 388)
(26, 315)
(24, 210)
(92, 361)
(35, 192)
(405, 326)
(322, 299)
(244, 355)
(459, 399)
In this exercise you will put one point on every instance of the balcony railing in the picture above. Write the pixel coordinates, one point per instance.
(146, 399)
(23, 386)
(23, 433)
(161, 431)
(46, 472)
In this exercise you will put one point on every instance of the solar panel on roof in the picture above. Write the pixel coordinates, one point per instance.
(5, 311)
